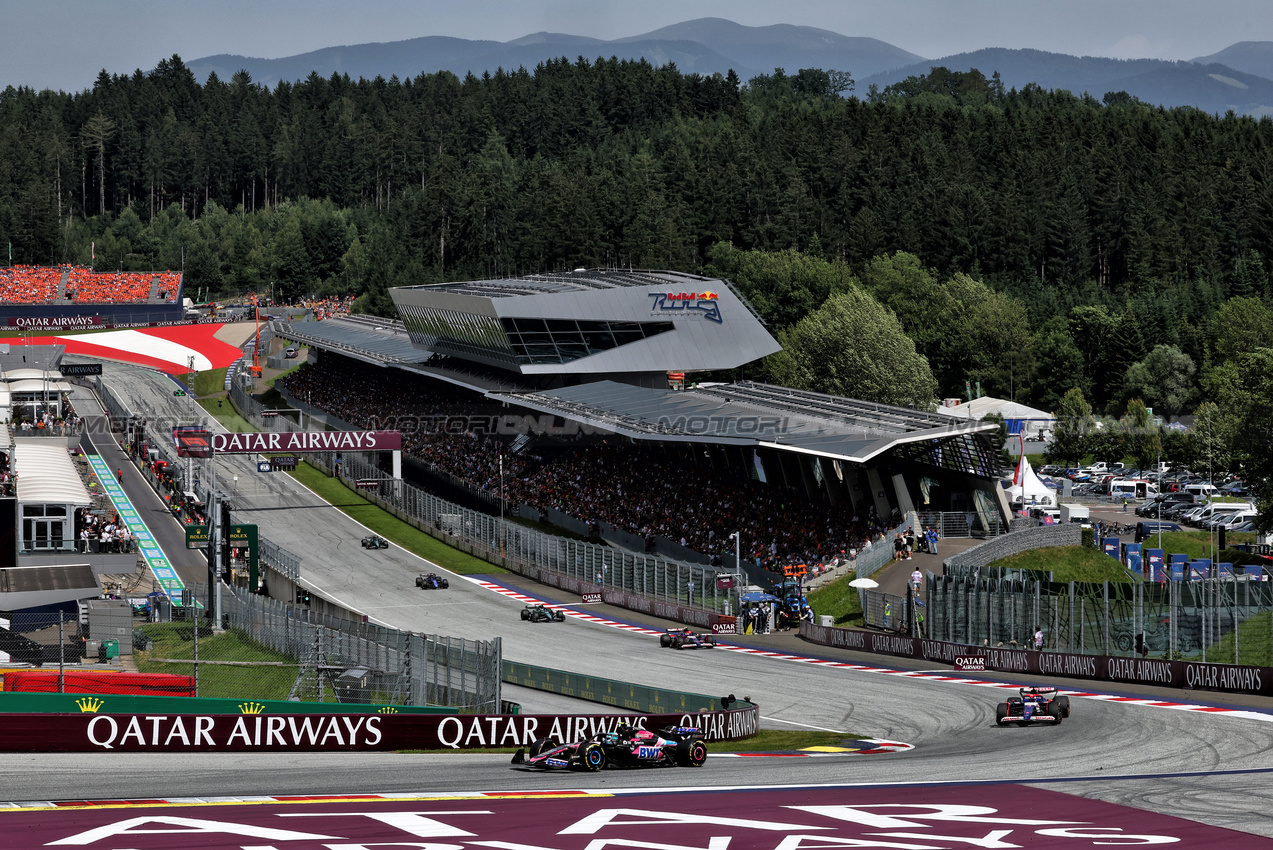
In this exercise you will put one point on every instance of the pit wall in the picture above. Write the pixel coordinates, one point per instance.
(1228, 678)
(186, 733)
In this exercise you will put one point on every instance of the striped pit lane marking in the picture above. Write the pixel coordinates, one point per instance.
(518, 595)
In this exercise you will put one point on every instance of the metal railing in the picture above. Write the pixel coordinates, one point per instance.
(407, 668)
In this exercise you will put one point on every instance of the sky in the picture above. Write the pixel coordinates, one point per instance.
(63, 44)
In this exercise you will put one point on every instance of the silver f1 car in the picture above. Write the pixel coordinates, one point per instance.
(626, 746)
(1034, 705)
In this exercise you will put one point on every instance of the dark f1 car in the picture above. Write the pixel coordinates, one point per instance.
(686, 639)
(374, 542)
(1035, 705)
(543, 614)
(431, 581)
(626, 746)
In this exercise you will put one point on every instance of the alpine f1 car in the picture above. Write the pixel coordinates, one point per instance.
(1035, 705)
(541, 613)
(626, 746)
(431, 581)
(686, 639)
(374, 542)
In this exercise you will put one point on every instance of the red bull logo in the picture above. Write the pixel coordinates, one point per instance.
(705, 304)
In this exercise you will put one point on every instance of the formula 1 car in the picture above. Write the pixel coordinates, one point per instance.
(431, 581)
(541, 613)
(687, 639)
(626, 746)
(1035, 705)
(374, 542)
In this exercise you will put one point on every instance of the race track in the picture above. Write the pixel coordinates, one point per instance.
(1159, 759)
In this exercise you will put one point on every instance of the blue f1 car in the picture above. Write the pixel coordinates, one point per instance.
(431, 581)
(687, 639)
(1035, 705)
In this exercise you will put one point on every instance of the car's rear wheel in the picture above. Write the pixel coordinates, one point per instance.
(592, 757)
(559, 616)
(540, 745)
(1001, 714)
(1064, 702)
(691, 753)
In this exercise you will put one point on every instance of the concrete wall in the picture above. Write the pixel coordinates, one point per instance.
(1039, 537)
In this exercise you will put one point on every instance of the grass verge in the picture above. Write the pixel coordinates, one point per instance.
(176, 640)
(1253, 643)
(839, 600)
(224, 412)
(210, 382)
(1067, 563)
(390, 527)
(1196, 544)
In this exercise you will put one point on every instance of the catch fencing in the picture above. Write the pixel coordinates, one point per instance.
(346, 661)
(961, 523)
(1223, 620)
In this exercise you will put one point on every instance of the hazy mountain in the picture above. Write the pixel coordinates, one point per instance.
(788, 47)
(704, 46)
(1250, 57)
(1213, 88)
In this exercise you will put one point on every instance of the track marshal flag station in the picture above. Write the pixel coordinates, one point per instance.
(307, 441)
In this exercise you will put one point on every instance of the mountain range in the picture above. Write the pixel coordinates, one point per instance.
(1238, 78)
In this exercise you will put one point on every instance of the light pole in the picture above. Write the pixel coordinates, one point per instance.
(1160, 498)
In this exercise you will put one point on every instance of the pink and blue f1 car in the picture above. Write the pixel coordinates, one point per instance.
(1035, 705)
(626, 746)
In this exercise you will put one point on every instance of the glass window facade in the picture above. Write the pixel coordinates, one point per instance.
(520, 342)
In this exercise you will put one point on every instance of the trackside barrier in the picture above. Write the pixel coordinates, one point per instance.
(1230, 678)
(610, 692)
(187, 733)
(96, 703)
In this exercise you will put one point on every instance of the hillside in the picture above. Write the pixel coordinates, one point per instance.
(1212, 88)
(1249, 57)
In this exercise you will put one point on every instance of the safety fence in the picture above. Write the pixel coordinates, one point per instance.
(1220, 620)
(333, 659)
(610, 692)
(961, 523)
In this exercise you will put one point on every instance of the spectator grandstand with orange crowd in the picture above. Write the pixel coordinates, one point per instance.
(29, 284)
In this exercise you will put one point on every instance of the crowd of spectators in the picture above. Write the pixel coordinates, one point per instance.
(645, 490)
(43, 285)
(326, 308)
(30, 285)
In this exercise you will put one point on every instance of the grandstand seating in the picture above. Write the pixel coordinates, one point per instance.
(43, 285)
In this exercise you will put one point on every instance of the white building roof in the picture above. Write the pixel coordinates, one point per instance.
(979, 408)
(46, 474)
(25, 374)
(36, 385)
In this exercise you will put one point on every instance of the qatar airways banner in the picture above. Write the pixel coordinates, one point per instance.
(307, 441)
(1196, 675)
(178, 733)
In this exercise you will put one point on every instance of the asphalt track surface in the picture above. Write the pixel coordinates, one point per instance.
(1213, 768)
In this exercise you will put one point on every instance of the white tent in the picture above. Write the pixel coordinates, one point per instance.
(1027, 488)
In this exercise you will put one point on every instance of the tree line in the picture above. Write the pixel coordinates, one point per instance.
(1027, 240)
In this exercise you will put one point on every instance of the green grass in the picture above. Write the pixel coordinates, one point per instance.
(210, 382)
(1067, 563)
(224, 412)
(1253, 643)
(388, 526)
(176, 640)
(838, 600)
(1197, 544)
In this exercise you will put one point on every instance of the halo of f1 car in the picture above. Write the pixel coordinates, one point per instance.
(626, 746)
(541, 613)
(431, 581)
(1035, 705)
(687, 639)
(374, 541)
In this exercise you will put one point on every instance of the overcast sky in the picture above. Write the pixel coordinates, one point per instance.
(63, 44)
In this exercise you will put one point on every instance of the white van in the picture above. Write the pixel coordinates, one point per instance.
(1216, 509)
(1202, 491)
(1132, 488)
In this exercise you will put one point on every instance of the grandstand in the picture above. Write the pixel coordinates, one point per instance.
(61, 297)
(583, 383)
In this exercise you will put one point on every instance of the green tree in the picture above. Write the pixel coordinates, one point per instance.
(784, 286)
(1071, 440)
(1164, 380)
(1252, 436)
(854, 346)
(1141, 440)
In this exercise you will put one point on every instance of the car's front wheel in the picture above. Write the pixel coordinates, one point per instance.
(1001, 714)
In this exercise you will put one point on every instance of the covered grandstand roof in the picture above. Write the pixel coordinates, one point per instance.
(580, 280)
(367, 338)
(46, 474)
(746, 414)
(36, 385)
